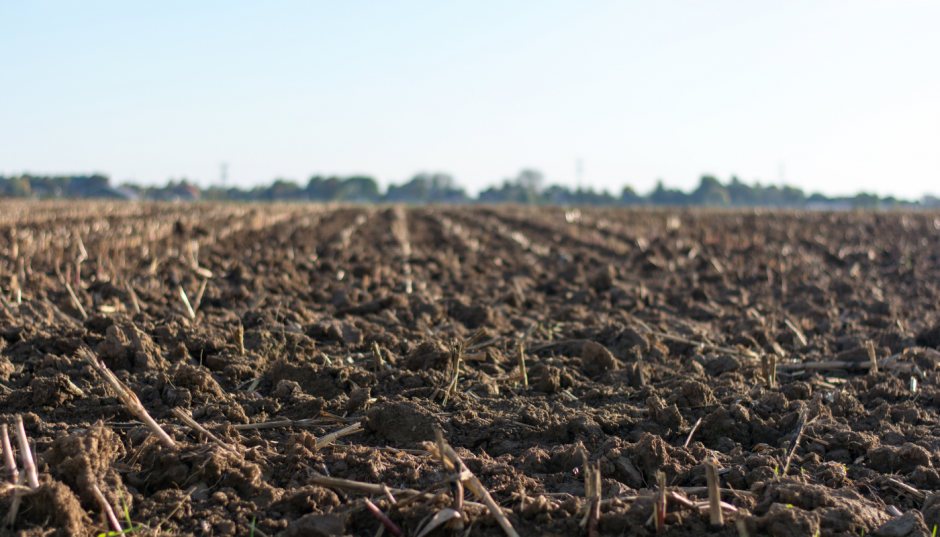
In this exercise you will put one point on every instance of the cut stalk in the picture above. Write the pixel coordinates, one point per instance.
(383, 518)
(189, 421)
(127, 397)
(134, 300)
(332, 437)
(26, 455)
(520, 355)
(377, 363)
(471, 482)
(714, 497)
(694, 427)
(106, 507)
(75, 302)
(9, 463)
(185, 299)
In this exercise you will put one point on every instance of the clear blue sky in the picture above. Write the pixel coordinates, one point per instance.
(830, 96)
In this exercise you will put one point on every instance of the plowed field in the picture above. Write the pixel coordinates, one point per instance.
(589, 370)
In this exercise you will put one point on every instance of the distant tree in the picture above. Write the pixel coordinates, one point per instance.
(359, 188)
(283, 189)
(663, 196)
(324, 189)
(864, 200)
(629, 197)
(710, 192)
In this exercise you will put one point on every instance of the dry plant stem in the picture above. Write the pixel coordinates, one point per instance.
(377, 362)
(282, 423)
(62, 315)
(706, 346)
(26, 455)
(520, 355)
(742, 527)
(456, 355)
(694, 428)
(714, 497)
(773, 370)
(330, 438)
(9, 463)
(659, 506)
(189, 421)
(17, 498)
(484, 344)
(106, 507)
(796, 441)
(185, 299)
(75, 301)
(383, 518)
(133, 294)
(127, 397)
(238, 334)
(704, 490)
(356, 486)
(388, 494)
(592, 481)
(765, 369)
(796, 331)
(870, 345)
(474, 484)
(833, 365)
(202, 290)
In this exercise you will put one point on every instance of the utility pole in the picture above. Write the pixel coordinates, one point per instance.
(224, 175)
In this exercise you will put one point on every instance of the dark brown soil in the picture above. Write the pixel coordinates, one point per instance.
(612, 294)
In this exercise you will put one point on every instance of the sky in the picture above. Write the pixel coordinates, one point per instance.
(832, 97)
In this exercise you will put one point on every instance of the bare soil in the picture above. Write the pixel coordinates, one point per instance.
(647, 330)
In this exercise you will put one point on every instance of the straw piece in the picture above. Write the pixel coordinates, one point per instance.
(75, 301)
(18, 491)
(133, 294)
(799, 434)
(202, 289)
(330, 438)
(189, 421)
(127, 397)
(694, 427)
(870, 345)
(377, 363)
(312, 422)
(800, 336)
(659, 506)
(106, 507)
(520, 354)
(383, 518)
(356, 486)
(714, 497)
(9, 463)
(26, 455)
(707, 346)
(185, 299)
(474, 484)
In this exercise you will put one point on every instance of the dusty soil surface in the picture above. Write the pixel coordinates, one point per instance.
(644, 337)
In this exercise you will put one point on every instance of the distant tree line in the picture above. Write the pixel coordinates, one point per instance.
(527, 187)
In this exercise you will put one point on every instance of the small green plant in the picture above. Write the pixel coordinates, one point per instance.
(934, 530)
(252, 534)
